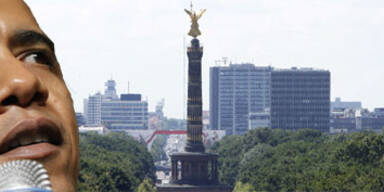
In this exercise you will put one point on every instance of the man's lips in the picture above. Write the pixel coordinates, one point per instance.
(34, 151)
(32, 139)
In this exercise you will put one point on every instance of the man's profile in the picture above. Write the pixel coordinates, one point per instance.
(36, 111)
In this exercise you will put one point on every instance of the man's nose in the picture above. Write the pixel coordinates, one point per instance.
(19, 86)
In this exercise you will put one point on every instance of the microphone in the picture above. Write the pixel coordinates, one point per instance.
(24, 176)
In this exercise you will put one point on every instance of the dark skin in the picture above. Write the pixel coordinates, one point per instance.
(37, 119)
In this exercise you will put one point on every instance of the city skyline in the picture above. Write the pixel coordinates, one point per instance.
(143, 42)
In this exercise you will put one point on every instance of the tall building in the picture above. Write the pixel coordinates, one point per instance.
(116, 113)
(236, 91)
(128, 112)
(92, 109)
(300, 98)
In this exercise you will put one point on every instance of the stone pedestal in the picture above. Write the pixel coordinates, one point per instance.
(194, 169)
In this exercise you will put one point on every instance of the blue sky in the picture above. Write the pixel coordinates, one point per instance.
(142, 41)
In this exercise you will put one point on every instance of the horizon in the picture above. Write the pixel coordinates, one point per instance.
(133, 41)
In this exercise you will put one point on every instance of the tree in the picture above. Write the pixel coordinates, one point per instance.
(305, 160)
(230, 147)
(157, 150)
(243, 187)
(113, 162)
(146, 186)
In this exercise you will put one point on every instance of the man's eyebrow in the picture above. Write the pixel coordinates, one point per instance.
(29, 38)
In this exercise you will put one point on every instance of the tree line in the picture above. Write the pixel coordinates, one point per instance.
(305, 160)
(114, 162)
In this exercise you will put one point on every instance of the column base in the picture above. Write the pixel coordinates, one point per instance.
(194, 147)
(195, 169)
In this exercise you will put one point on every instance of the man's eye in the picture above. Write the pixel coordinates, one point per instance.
(38, 58)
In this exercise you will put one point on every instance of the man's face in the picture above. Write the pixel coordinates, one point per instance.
(36, 111)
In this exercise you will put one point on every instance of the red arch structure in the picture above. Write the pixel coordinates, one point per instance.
(167, 132)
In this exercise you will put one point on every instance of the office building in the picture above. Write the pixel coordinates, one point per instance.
(259, 120)
(89, 129)
(80, 119)
(236, 91)
(338, 104)
(300, 98)
(342, 120)
(350, 120)
(370, 121)
(116, 113)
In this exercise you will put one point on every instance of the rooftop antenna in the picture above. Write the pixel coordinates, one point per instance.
(128, 87)
(225, 59)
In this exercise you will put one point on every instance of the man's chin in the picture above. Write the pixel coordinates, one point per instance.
(61, 170)
(63, 183)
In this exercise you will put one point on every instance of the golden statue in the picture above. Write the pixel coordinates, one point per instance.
(194, 32)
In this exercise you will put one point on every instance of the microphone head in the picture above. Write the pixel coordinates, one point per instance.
(23, 174)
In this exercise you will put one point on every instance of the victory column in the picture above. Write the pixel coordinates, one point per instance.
(194, 170)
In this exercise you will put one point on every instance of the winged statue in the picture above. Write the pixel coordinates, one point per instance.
(194, 32)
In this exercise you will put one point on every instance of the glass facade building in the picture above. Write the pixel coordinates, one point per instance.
(92, 109)
(117, 114)
(236, 91)
(300, 98)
